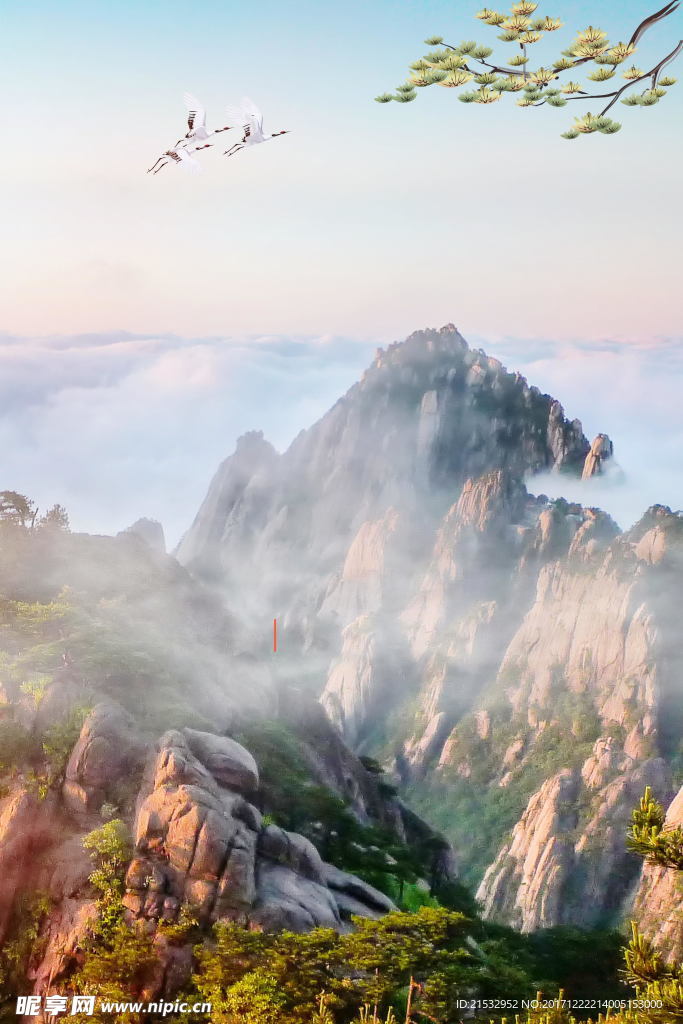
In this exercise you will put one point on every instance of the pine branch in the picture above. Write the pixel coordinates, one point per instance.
(650, 837)
(649, 22)
(430, 74)
(615, 94)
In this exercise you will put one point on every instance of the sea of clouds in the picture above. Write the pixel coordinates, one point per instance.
(119, 426)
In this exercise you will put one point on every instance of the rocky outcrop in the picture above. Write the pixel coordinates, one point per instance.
(108, 751)
(658, 905)
(200, 842)
(467, 631)
(525, 884)
(563, 865)
(601, 450)
(234, 505)
(26, 824)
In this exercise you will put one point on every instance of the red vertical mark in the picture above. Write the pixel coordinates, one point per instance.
(274, 634)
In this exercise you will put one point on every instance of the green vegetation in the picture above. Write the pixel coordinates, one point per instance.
(466, 801)
(17, 745)
(426, 953)
(412, 964)
(280, 977)
(292, 800)
(104, 614)
(117, 958)
(56, 744)
(453, 67)
(22, 942)
(649, 838)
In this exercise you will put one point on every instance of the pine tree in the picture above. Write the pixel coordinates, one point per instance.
(455, 66)
(649, 837)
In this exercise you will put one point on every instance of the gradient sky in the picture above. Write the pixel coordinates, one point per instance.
(367, 220)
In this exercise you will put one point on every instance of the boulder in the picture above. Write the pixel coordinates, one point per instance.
(229, 763)
(347, 887)
(287, 900)
(107, 752)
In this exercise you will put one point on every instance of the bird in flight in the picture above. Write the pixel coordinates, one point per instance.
(249, 118)
(195, 139)
(196, 121)
(180, 155)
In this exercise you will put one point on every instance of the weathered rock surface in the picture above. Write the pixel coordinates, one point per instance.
(467, 630)
(200, 842)
(557, 855)
(228, 761)
(601, 450)
(658, 905)
(108, 750)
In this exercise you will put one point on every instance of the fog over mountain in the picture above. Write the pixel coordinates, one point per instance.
(118, 425)
(511, 656)
(475, 680)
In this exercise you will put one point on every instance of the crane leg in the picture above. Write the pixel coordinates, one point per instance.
(161, 167)
(154, 164)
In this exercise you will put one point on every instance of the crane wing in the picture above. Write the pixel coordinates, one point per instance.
(196, 115)
(253, 111)
(245, 113)
(188, 163)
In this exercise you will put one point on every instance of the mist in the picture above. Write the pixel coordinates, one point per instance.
(118, 426)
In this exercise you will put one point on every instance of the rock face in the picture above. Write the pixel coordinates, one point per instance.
(430, 411)
(199, 842)
(498, 650)
(554, 854)
(658, 905)
(601, 450)
(108, 750)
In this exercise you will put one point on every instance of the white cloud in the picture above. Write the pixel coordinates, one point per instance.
(117, 426)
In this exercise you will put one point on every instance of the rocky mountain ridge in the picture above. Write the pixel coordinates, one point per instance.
(514, 659)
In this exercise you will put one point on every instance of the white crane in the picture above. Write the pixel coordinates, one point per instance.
(248, 117)
(180, 155)
(196, 121)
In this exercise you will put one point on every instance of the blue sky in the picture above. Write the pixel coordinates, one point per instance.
(367, 219)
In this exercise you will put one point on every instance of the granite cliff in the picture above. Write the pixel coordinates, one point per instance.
(200, 842)
(513, 660)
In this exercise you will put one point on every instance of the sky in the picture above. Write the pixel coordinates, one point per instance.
(147, 321)
(367, 218)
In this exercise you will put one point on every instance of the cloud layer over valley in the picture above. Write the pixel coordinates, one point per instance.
(118, 426)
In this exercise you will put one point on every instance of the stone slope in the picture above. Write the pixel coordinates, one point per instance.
(200, 843)
(485, 643)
